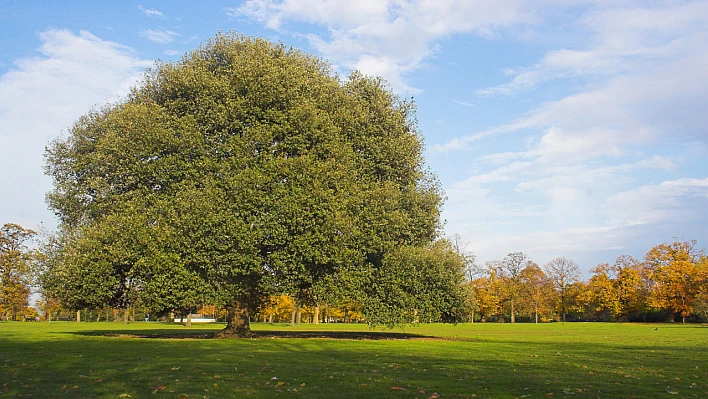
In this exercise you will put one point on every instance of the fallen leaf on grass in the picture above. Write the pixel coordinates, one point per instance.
(124, 395)
(671, 391)
(398, 389)
(434, 396)
(158, 389)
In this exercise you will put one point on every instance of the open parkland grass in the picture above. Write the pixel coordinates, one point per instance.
(147, 360)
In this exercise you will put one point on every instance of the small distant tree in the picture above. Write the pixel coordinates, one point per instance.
(563, 272)
(677, 276)
(510, 272)
(15, 270)
(537, 290)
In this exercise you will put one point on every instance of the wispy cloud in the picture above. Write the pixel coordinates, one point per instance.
(464, 103)
(391, 38)
(151, 12)
(162, 36)
(41, 97)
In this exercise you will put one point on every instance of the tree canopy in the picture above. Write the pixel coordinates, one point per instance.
(245, 169)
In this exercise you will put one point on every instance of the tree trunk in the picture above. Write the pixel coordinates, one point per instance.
(563, 305)
(535, 311)
(126, 315)
(189, 320)
(98, 316)
(293, 317)
(513, 316)
(78, 316)
(299, 315)
(238, 323)
(115, 315)
(316, 316)
(472, 319)
(270, 318)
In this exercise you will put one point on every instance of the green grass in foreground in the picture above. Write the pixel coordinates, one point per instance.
(141, 360)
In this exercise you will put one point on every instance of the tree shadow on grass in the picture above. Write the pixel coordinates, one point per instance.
(210, 334)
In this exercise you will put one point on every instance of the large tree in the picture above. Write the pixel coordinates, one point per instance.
(245, 169)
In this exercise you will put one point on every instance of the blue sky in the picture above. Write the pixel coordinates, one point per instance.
(557, 128)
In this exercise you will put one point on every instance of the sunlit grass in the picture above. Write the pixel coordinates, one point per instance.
(107, 360)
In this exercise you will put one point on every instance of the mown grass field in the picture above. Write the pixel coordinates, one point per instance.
(147, 360)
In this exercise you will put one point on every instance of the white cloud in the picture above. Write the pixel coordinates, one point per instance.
(387, 37)
(151, 12)
(624, 39)
(161, 36)
(41, 97)
(685, 198)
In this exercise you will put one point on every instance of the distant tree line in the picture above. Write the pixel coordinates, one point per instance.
(670, 283)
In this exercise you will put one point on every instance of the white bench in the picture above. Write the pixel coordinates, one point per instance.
(194, 320)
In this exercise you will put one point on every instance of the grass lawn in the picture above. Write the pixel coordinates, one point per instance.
(141, 360)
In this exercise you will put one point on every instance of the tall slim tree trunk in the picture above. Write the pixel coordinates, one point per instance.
(563, 305)
(115, 315)
(293, 316)
(299, 315)
(189, 320)
(78, 316)
(513, 316)
(472, 319)
(535, 311)
(270, 318)
(316, 316)
(126, 315)
(238, 324)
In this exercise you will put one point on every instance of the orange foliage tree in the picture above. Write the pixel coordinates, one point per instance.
(677, 274)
